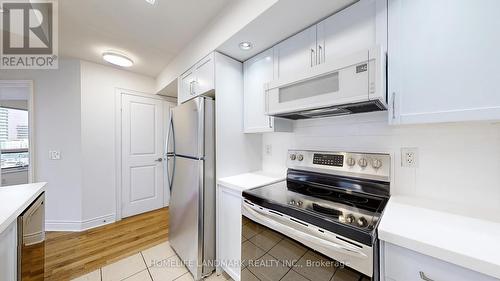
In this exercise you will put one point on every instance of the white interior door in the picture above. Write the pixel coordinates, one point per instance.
(142, 154)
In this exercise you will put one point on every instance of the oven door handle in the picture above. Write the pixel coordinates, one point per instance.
(259, 216)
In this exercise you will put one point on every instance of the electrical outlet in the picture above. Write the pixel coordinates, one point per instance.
(409, 157)
(54, 154)
(269, 149)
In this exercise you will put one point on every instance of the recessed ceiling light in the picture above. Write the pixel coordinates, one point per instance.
(246, 46)
(152, 2)
(117, 59)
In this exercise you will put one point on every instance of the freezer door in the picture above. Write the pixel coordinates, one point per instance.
(188, 121)
(186, 213)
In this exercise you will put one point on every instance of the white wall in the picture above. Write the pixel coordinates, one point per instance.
(98, 85)
(458, 162)
(57, 127)
(233, 18)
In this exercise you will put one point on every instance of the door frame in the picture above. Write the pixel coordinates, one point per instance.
(118, 142)
(31, 124)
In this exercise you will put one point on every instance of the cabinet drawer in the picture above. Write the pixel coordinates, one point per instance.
(402, 264)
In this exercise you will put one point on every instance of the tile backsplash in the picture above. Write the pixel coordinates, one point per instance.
(459, 163)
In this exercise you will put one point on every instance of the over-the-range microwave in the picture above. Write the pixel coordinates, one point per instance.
(345, 85)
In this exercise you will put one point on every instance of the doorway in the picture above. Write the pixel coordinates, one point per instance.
(141, 133)
(16, 132)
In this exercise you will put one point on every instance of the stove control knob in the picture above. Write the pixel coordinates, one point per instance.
(300, 157)
(362, 163)
(292, 202)
(362, 222)
(376, 164)
(293, 156)
(350, 162)
(349, 218)
(300, 203)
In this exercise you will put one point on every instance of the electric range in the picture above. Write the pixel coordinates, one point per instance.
(331, 202)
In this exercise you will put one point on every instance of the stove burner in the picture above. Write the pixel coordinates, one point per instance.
(318, 191)
(353, 198)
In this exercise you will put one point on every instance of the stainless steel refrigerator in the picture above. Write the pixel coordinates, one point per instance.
(191, 176)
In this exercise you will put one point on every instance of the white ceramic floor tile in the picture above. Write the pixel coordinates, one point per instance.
(141, 276)
(123, 268)
(218, 277)
(92, 276)
(169, 269)
(186, 277)
(157, 253)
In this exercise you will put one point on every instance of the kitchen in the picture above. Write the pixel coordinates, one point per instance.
(345, 141)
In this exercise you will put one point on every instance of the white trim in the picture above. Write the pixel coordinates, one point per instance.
(118, 143)
(76, 226)
(98, 221)
(63, 226)
(31, 123)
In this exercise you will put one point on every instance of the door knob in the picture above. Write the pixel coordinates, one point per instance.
(159, 159)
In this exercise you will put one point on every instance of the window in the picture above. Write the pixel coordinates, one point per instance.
(14, 138)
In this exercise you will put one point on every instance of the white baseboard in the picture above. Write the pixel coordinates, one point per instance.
(98, 221)
(76, 226)
(63, 226)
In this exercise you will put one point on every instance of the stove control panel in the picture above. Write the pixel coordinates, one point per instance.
(363, 165)
(328, 159)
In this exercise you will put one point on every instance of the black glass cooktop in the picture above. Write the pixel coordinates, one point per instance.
(326, 201)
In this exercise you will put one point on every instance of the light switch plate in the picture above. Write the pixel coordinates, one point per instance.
(269, 149)
(54, 154)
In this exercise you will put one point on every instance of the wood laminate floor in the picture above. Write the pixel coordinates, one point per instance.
(72, 254)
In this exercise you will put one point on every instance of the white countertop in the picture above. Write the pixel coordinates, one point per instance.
(15, 199)
(250, 180)
(466, 241)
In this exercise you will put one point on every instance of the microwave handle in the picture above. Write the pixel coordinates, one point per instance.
(284, 228)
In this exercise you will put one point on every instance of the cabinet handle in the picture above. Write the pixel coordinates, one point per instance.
(320, 53)
(393, 105)
(270, 125)
(423, 277)
(312, 54)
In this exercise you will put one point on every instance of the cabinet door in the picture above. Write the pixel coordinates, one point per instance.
(405, 265)
(229, 230)
(257, 71)
(8, 253)
(443, 60)
(204, 72)
(348, 31)
(296, 54)
(185, 87)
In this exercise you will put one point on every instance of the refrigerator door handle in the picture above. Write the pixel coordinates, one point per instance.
(170, 131)
(201, 127)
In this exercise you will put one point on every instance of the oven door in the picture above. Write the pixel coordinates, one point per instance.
(341, 249)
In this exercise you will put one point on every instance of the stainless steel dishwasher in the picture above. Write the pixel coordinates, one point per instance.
(31, 242)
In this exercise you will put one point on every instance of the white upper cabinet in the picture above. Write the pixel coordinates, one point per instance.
(257, 71)
(185, 87)
(204, 71)
(198, 80)
(443, 60)
(348, 31)
(296, 54)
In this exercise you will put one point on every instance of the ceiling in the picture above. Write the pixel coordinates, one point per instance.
(151, 35)
(279, 22)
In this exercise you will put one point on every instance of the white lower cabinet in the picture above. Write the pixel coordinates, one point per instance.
(401, 264)
(8, 253)
(229, 230)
